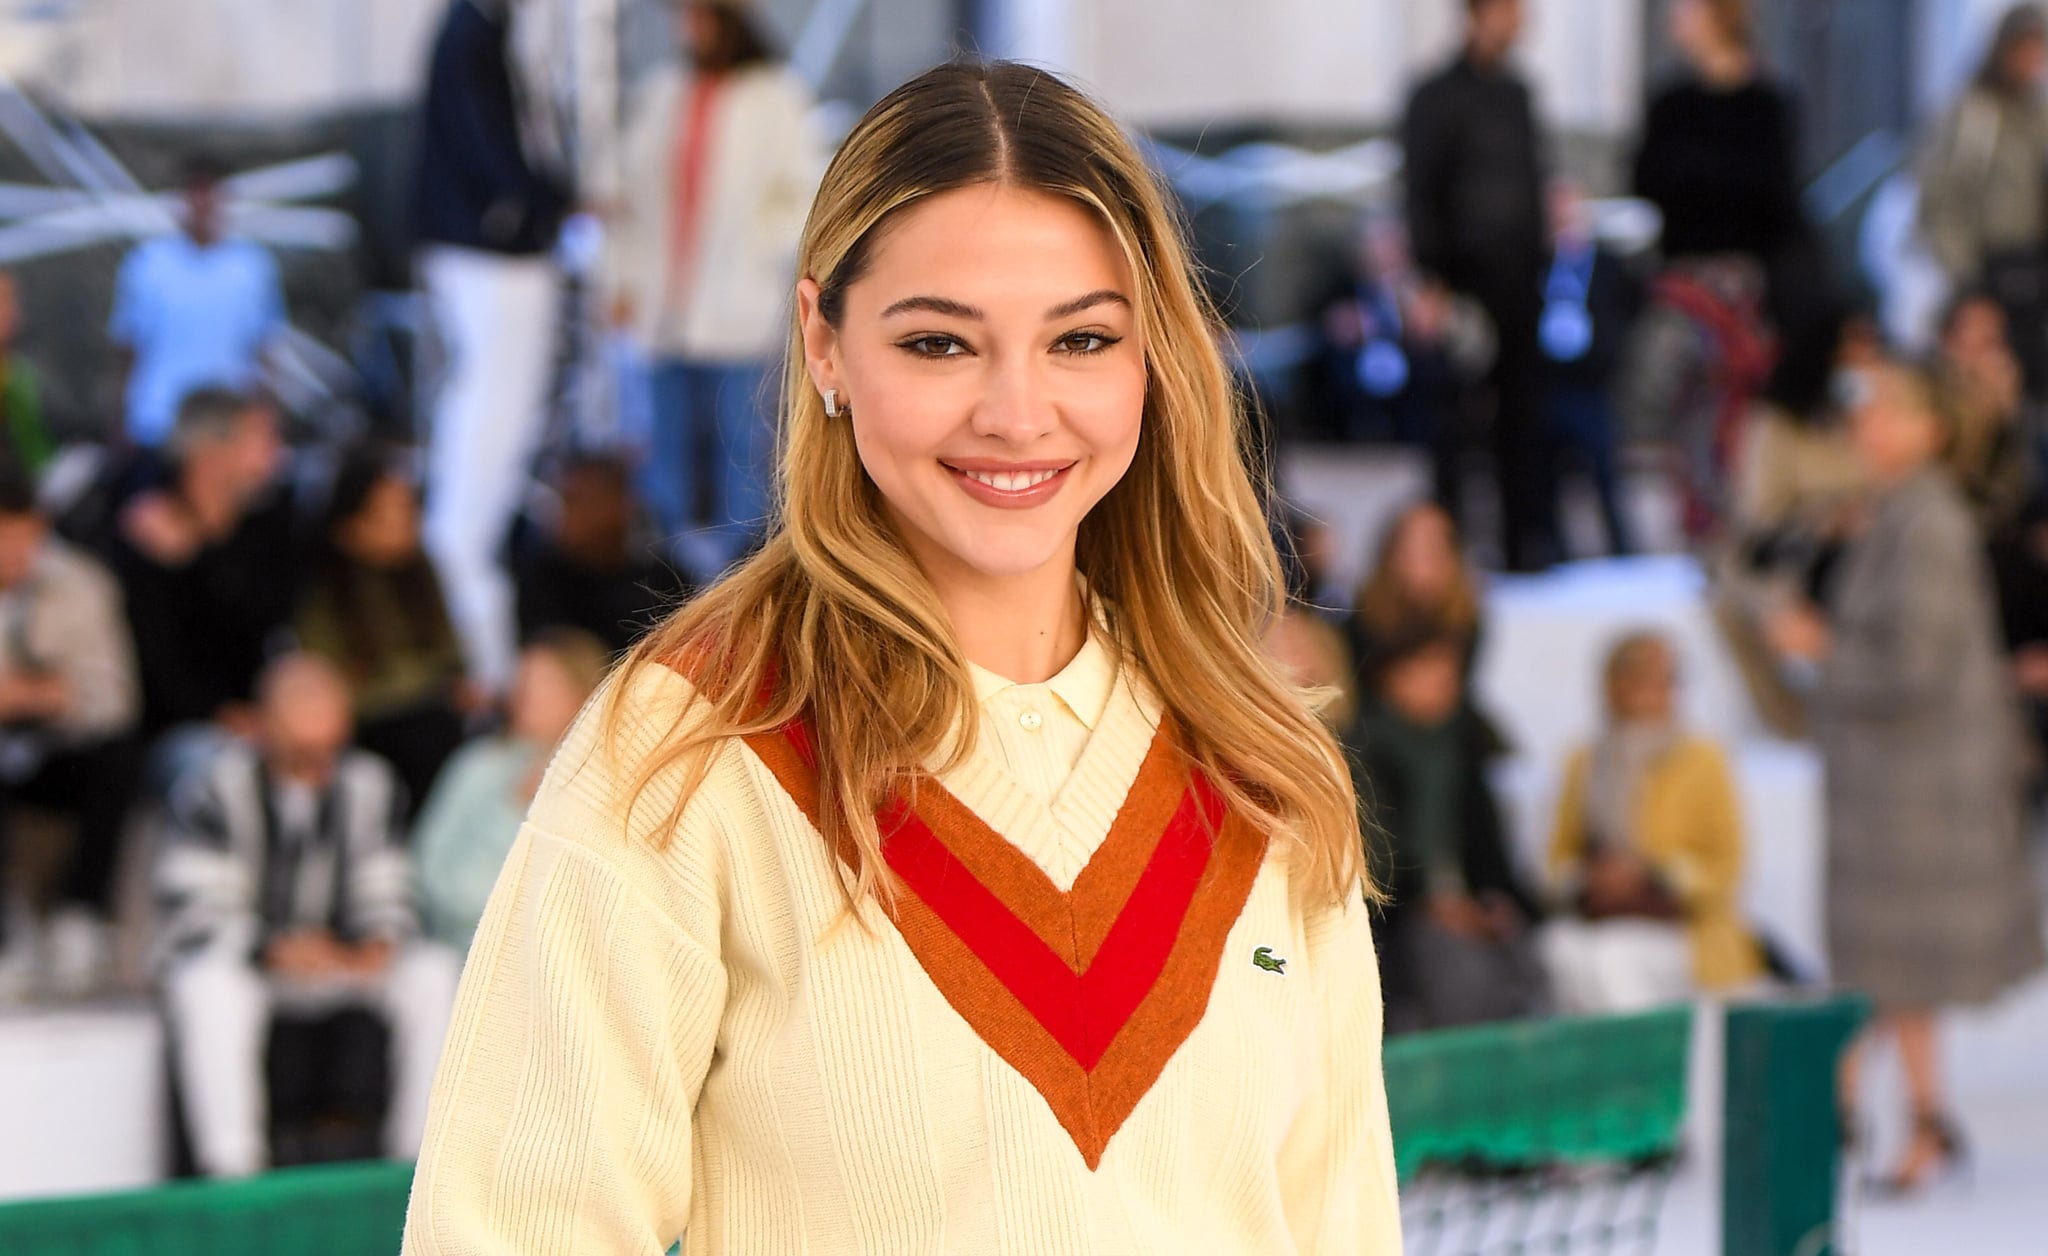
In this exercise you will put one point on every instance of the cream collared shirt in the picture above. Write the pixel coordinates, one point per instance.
(1037, 732)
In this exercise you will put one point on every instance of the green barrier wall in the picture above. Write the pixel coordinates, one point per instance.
(1781, 1145)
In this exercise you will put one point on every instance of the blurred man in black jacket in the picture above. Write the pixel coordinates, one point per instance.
(1477, 224)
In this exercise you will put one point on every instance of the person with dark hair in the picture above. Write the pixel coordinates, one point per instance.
(1983, 174)
(197, 308)
(373, 608)
(1455, 933)
(1932, 901)
(68, 709)
(1419, 581)
(1981, 385)
(721, 159)
(589, 572)
(209, 564)
(25, 443)
(1477, 222)
(491, 192)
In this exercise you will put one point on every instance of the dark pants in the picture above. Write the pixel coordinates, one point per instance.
(94, 785)
(416, 744)
(1521, 445)
(330, 1082)
(1582, 423)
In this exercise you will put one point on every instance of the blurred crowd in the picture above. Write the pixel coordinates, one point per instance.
(315, 687)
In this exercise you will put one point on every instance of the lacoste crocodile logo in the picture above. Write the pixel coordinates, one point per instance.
(1264, 958)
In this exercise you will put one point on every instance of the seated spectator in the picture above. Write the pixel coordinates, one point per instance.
(1311, 650)
(209, 567)
(1982, 387)
(285, 893)
(1419, 583)
(470, 820)
(25, 443)
(373, 608)
(590, 575)
(1454, 934)
(68, 707)
(1647, 854)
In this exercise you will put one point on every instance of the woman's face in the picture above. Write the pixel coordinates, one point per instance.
(545, 698)
(1893, 433)
(1694, 29)
(1425, 557)
(1646, 691)
(386, 531)
(993, 365)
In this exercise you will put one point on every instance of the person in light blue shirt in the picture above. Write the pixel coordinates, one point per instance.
(191, 310)
(470, 820)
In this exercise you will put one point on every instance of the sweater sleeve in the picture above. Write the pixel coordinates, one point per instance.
(590, 1006)
(1337, 1163)
(1707, 868)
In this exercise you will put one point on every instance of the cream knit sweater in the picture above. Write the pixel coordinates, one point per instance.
(677, 1042)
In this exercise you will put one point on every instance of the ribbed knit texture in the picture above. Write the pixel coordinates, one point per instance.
(679, 1042)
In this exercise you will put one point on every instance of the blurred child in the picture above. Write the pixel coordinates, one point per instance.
(1647, 854)
(474, 813)
(1455, 942)
(374, 609)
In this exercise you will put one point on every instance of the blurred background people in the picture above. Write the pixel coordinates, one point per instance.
(1475, 207)
(25, 443)
(194, 309)
(373, 608)
(1718, 160)
(1420, 581)
(1455, 934)
(209, 567)
(1646, 853)
(590, 569)
(1983, 175)
(1992, 457)
(721, 161)
(1589, 305)
(490, 194)
(469, 822)
(1930, 901)
(286, 894)
(68, 710)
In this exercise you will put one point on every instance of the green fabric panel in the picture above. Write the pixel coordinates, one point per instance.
(1569, 1089)
(1782, 1140)
(349, 1210)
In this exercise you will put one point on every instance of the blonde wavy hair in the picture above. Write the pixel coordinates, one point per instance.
(832, 622)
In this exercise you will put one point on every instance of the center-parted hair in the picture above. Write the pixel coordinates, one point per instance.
(833, 622)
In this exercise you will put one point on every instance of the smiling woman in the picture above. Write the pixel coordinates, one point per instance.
(958, 874)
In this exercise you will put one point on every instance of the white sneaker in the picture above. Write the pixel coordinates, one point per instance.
(78, 951)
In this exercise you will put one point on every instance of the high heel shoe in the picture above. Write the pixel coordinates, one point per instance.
(1939, 1134)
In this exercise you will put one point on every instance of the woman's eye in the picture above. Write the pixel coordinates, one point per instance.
(934, 346)
(1085, 342)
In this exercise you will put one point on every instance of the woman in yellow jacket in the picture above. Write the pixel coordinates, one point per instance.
(1647, 854)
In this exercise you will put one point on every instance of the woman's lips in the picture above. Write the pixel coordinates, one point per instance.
(1010, 486)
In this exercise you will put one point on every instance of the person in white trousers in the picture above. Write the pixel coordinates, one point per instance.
(490, 195)
(286, 892)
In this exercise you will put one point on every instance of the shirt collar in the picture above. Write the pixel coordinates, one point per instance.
(1083, 686)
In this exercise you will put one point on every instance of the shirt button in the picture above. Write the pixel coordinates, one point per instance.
(1032, 721)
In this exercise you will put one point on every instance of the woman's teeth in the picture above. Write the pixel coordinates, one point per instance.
(1011, 481)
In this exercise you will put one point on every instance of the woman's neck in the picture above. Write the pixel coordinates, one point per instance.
(1023, 628)
(1726, 68)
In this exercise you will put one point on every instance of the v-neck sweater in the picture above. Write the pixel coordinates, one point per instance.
(687, 1040)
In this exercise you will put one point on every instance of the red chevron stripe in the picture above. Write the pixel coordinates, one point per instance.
(1083, 1012)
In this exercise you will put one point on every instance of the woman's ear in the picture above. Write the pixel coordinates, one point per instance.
(821, 342)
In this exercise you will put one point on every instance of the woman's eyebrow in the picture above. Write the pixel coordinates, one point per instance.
(1101, 296)
(935, 305)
